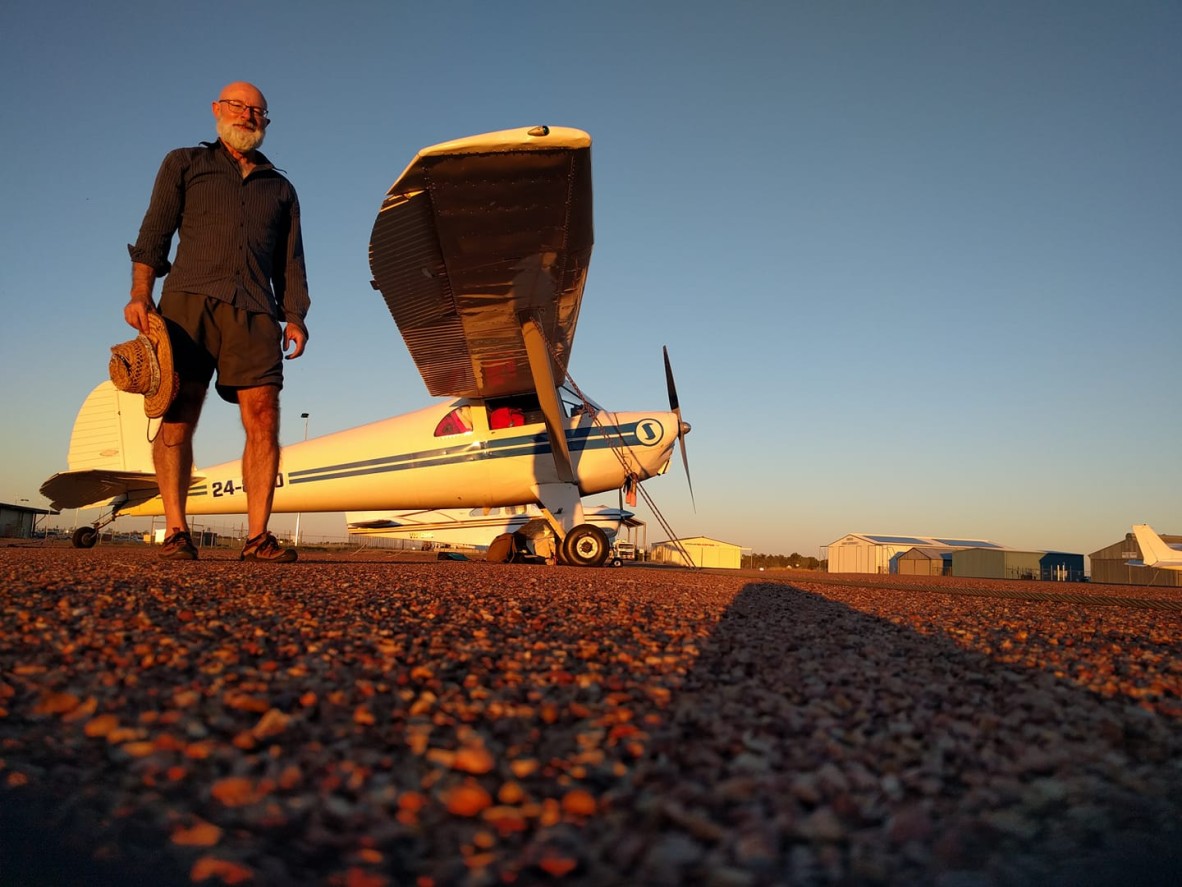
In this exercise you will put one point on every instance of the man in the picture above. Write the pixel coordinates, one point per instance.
(234, 300)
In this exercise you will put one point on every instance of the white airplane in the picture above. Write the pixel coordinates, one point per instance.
(477, 527)
(1155, 551)
(480, 250)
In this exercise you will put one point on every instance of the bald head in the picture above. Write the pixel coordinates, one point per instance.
(244, 92)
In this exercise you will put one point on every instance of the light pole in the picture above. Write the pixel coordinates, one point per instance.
(33, 526)
(303, 416)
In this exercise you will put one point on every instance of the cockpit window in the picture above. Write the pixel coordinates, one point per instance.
(505, 417)
(573, 405)
(509, 412)
(458, 421)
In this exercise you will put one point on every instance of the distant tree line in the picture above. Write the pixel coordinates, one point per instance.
(793, 561)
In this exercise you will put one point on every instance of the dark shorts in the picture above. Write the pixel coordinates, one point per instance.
(245, 348)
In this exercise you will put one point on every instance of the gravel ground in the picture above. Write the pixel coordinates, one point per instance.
(360, 721)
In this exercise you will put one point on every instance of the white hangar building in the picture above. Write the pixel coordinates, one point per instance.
(867, 553)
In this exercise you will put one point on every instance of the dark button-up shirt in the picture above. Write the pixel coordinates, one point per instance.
(239, 239)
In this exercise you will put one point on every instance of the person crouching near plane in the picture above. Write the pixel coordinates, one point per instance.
(234, 299)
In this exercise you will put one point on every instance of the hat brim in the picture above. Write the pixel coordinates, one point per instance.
(157, 404)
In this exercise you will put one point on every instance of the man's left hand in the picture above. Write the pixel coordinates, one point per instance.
(293, 335)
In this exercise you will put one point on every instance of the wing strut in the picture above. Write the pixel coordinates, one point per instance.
(542, 369)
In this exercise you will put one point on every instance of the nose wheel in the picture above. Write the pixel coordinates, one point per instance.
(585, 546)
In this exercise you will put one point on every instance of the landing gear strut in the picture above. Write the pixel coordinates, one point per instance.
(86, 537)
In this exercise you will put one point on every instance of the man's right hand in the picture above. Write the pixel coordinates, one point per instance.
(136, 313)
(141, 305)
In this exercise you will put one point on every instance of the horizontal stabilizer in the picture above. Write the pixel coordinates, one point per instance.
(96, 486)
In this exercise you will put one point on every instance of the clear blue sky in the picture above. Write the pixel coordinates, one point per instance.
(918, 265)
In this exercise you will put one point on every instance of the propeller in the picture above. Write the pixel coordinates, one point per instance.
(682, 427)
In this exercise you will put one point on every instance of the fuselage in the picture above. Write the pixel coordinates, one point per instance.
(447, 455)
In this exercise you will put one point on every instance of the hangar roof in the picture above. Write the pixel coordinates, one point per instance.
(925, 541)
(931, 553)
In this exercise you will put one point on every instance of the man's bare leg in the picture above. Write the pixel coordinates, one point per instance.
(259, 407)
(172, 454)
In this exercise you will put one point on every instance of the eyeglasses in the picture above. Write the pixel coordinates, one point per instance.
(240, 107)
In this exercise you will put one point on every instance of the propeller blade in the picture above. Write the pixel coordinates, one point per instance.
(685, 462)
(670, 384)
(675, 406)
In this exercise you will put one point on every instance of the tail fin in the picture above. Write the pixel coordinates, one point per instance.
(1154, 549)
(110, 455)
(111, 432)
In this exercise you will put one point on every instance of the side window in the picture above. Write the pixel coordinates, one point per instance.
(456, 422)
(509, 412)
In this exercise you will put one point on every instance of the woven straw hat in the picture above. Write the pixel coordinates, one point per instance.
(144, 366)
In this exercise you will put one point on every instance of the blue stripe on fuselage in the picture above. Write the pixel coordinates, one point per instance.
(578, 439)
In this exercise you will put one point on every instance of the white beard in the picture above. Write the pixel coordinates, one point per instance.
(241, 140)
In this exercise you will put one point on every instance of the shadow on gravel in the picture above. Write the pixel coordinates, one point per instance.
(364, 726)
(33, 854)
(837, 747)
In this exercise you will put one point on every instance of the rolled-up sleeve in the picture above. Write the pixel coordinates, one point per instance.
(163, 216)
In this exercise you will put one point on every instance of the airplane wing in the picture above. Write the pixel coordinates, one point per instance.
(480, 239)
(96, 486)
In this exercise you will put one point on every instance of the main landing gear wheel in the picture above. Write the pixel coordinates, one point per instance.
(585, 546)
(84, 537)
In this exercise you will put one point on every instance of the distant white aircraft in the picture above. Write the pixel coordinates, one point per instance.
(480, 250)
(475, 527)
(1155, 551)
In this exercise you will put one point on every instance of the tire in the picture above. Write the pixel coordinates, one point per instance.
(585, 546)
(84, 537)
(616, 562)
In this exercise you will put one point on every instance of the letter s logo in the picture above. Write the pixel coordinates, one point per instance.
(649, 432)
